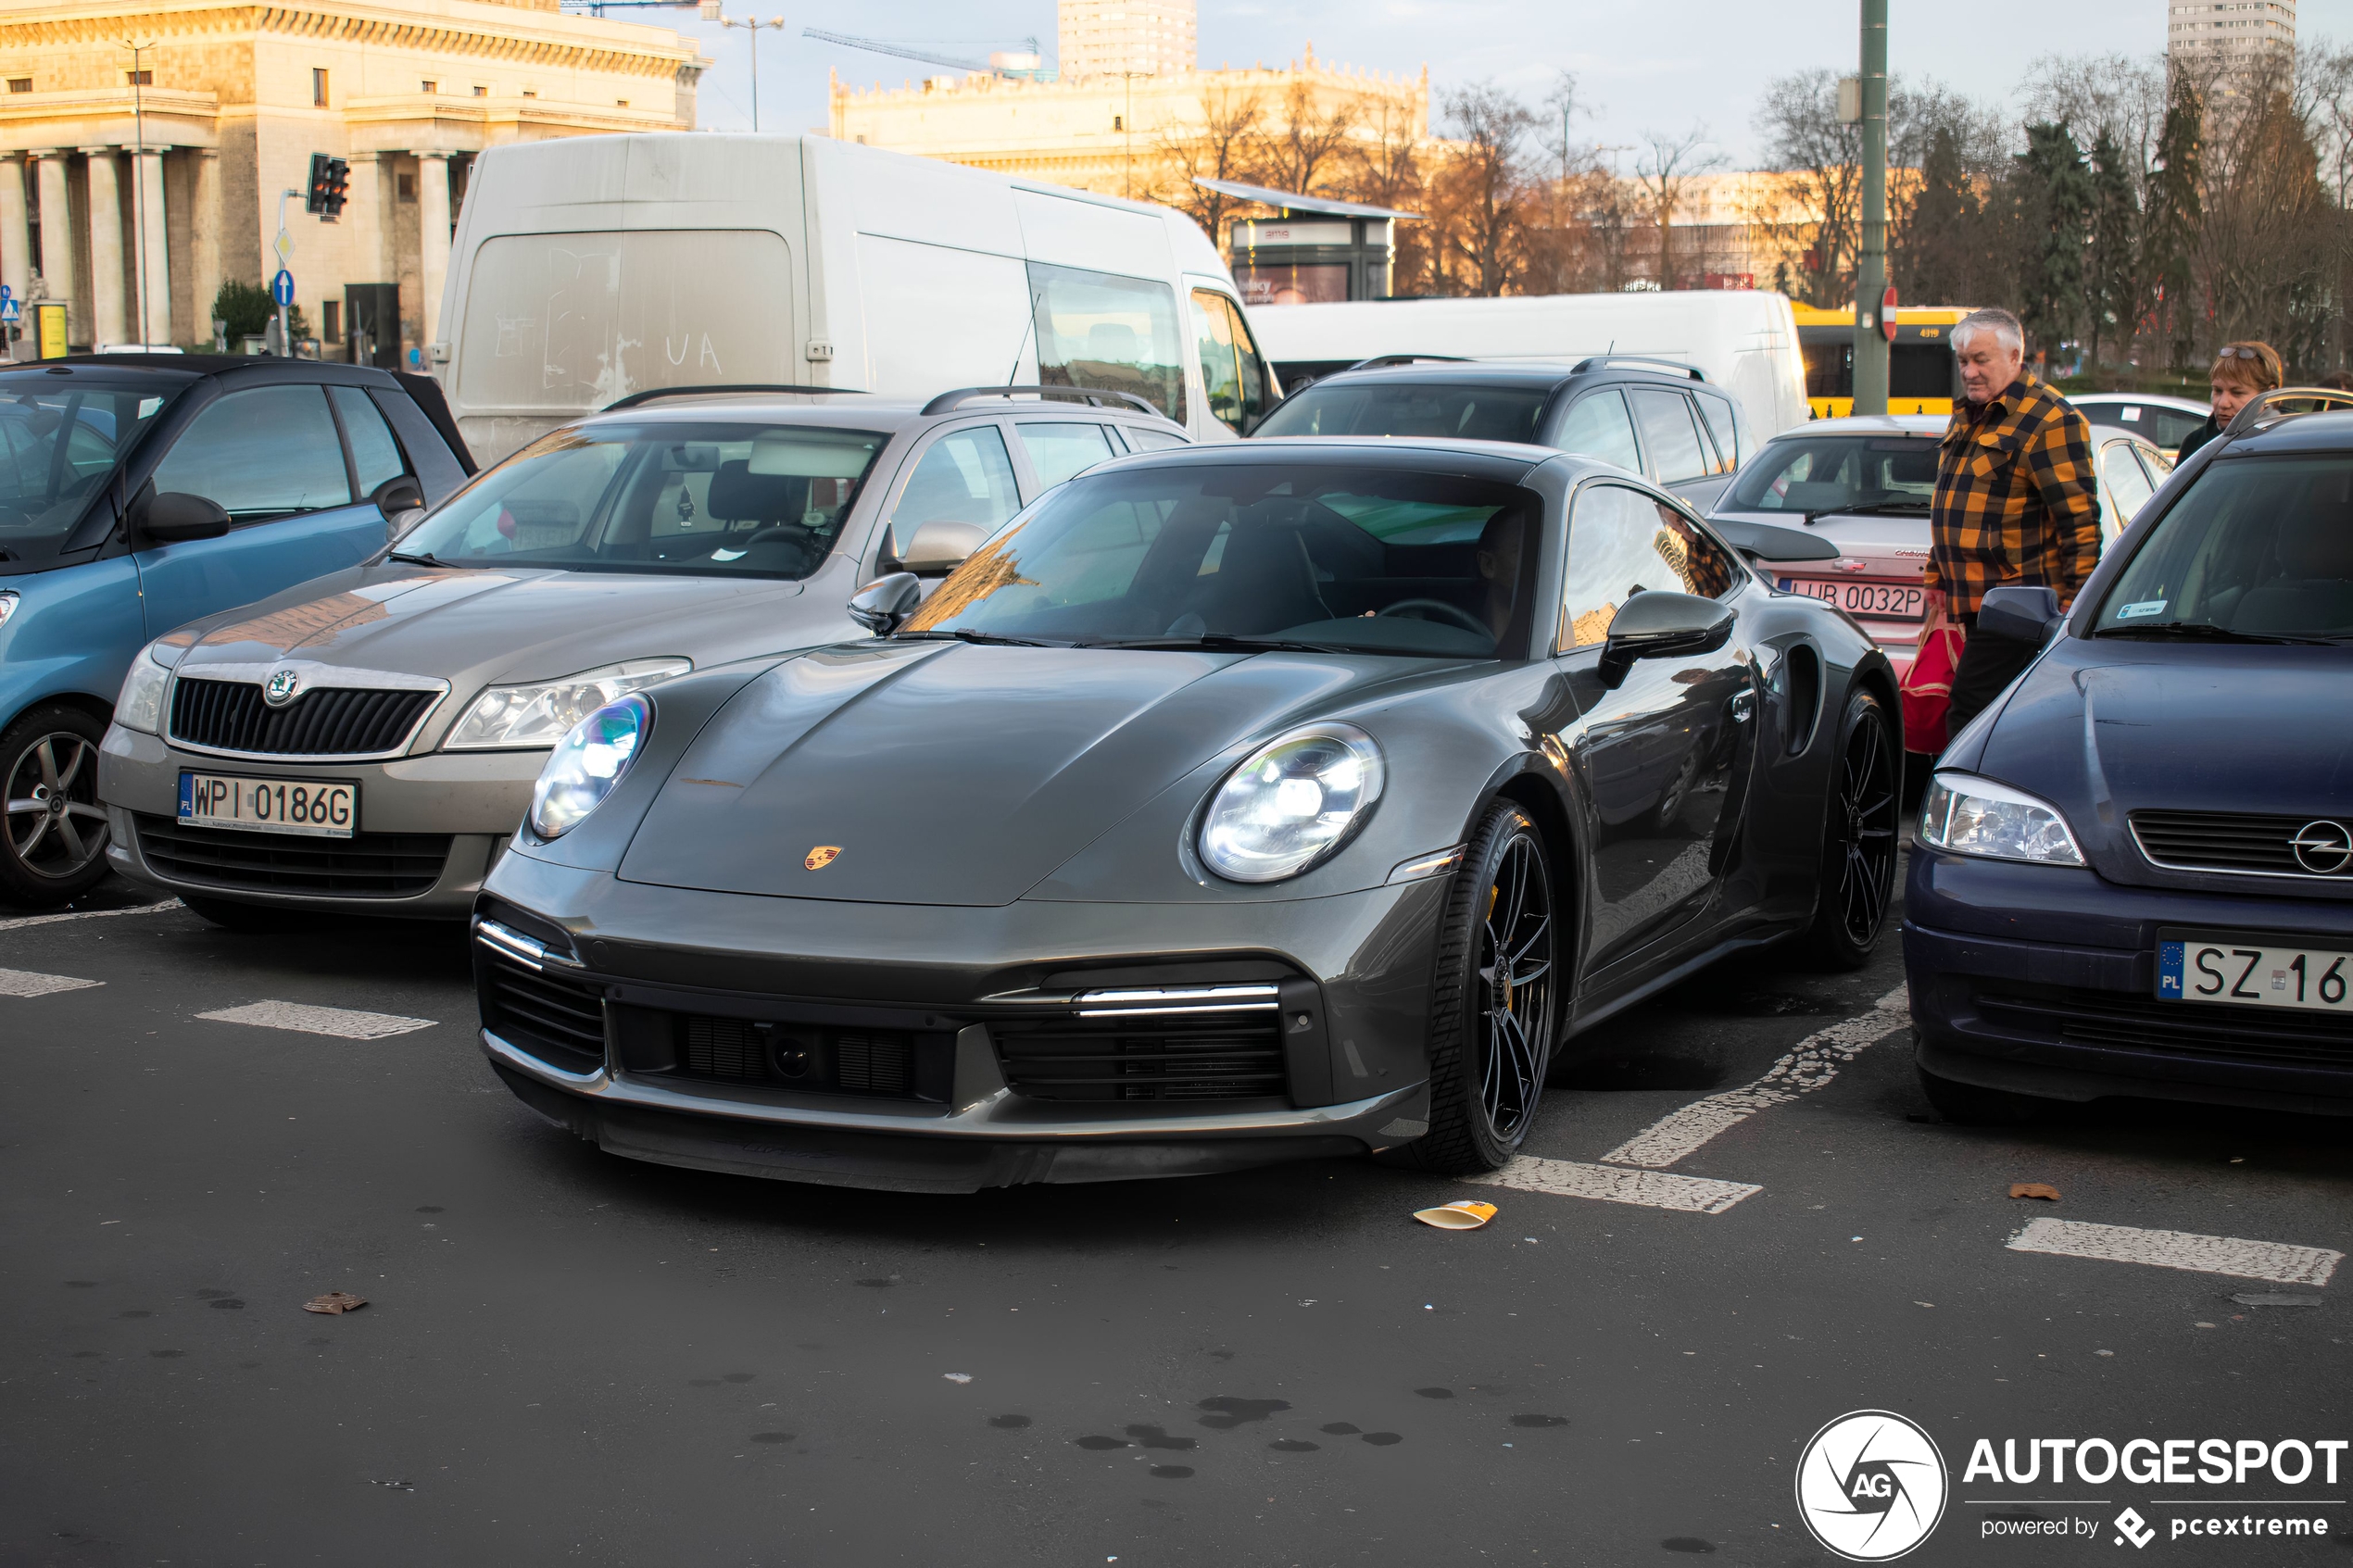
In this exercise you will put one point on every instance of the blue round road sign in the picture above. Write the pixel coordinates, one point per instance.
(282, 287)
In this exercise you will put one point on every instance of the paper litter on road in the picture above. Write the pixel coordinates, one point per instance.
(1465, 1215)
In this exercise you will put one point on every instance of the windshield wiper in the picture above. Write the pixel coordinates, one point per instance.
(422, 558)
(987, 639)
(2201, 631)
(1863, 509)
(1226, 641)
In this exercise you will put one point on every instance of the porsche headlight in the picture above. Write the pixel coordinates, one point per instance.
(141, 704)
(1973, 816)
(515, 717)
(1293, 802)
(588, 764)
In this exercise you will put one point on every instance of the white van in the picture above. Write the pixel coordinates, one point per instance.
(589, 268)
(1745, 340)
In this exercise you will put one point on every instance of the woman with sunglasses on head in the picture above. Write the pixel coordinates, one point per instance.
(2242, 371)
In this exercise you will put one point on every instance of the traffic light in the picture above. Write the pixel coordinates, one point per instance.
(330, 182)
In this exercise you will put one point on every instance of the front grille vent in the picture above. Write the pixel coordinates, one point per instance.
(1201, 1044)
(554, 1017)
(369, 865)
(2282, 1035)
(740, 1051)
(323, 722)
(2228, 841)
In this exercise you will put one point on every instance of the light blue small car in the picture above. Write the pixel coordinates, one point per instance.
(140, 492)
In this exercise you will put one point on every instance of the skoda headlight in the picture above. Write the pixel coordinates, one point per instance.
(141, 704)
(588, 765)
(1973, 816)
(1293, 804)
(516, 718)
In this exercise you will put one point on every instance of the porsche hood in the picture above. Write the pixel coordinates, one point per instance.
(950, 773)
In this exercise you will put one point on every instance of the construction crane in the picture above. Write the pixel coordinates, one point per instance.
(1019, 63)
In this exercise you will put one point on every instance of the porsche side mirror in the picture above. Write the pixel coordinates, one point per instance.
(2022, 615)
(1654, 625)
(937, 547)
(881, 606)
(402, 501)
(175, 517)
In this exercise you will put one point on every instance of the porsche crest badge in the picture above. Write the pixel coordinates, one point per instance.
(822, 857)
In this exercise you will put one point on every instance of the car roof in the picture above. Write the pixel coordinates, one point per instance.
(184, 368)
(1870, 424)
(2155, 399)
(2103, 430)
(2329, 431)
(1503, 460)
(1545, 374)
(848, 409)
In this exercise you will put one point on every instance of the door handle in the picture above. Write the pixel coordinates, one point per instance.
(1743, 704)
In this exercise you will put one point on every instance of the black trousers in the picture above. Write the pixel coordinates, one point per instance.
(1988, 664)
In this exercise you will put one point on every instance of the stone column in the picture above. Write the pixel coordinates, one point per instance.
(109, 320)
(204, 238)
(16, 235)
(57, 230)
(151, 271)
(433, 240)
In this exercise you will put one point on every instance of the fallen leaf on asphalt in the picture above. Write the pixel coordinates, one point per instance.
(335, 1301)
(2034, 1189)
(1463, 1216)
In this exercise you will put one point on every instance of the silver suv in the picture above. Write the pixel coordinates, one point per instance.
(368, 742)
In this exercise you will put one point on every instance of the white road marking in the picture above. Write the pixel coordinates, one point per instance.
(23, 921)
(1811, 1064)
(2275, 1260)
(344, 1022)
(1652, 1189)
(24, 983)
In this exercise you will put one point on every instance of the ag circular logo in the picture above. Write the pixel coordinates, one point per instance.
(281, 688)
(1871, 1485)
(2322, 848)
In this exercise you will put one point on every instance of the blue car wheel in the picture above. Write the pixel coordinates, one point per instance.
(54, 848)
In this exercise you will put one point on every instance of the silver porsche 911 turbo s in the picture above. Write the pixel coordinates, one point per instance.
(1232, 805)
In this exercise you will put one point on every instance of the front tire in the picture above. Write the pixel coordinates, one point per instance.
(1857, 875)
(1494, 1005)
(53, 837)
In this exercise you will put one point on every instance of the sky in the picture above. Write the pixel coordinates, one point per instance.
(1666, 65)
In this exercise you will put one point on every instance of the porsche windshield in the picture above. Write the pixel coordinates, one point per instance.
(2259, 549)
(1834, 473)
(57, 443)
(755, 500)
(1360, 559)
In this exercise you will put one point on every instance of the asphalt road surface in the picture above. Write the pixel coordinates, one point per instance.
(569, 1357)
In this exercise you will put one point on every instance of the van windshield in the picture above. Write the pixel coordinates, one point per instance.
(1390, 408)
(1831, 473)
(57, 445)
(748, 500)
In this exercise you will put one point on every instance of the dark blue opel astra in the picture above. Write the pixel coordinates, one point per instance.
(2134, 874)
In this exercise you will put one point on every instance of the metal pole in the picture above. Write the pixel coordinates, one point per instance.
(755, 76)
(1871, 270)
(139, 183)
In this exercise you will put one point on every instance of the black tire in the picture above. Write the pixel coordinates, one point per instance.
(1856, 879)
(1489, 1046)
(1973, 1107)
(53, 834)
(253, 918)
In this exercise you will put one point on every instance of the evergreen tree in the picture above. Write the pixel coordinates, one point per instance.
(2055, 191)
(1933, 255)
(2171, 224)
(2114, 291)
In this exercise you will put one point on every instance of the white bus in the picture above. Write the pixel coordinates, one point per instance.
(586, 269)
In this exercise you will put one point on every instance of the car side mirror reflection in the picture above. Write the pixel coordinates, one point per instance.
(882, 606)
(1653, 625)
(940, 546)
(402, 501)
(175, 517)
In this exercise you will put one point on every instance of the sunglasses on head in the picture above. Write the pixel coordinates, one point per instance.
(2236, 353)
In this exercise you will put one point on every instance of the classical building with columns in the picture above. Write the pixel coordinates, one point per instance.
(133, 181)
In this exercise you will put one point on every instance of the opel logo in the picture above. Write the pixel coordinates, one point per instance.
(285, 683)
(2322, 848)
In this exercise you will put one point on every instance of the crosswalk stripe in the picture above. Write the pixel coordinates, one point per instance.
(1812, 1063)
(2274, 1261)
(22, 920)
(1652, 1189)
(24, 983)
(344, 1022)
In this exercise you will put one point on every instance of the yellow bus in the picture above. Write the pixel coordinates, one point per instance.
(1921, 376)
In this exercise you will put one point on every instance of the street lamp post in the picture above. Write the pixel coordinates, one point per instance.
(753, 25)
(1871, 334)
(139, 179)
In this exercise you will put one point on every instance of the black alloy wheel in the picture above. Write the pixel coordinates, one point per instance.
(1493, 1010)
(1858, 836)
(53, 839)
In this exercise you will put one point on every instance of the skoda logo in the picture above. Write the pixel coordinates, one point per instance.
(1871, 1485)
(2323, 847)
(281, 688)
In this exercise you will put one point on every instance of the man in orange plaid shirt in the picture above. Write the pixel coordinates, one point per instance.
(2016, 501)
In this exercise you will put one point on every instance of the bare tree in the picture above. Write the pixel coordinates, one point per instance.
(1822, 157)
(1298, 141)
(1223, 147)
(1384, 168)
(1665, 168)
(1480, 198)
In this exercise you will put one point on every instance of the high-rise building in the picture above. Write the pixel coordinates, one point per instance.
(1125, 37)
(2215, 36)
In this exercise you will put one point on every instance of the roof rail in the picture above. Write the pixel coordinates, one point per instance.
(2257, 412)
(1643, 360)
(1377, 360)
(650, 394)
(1093, 397)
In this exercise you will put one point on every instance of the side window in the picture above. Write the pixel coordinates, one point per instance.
(1597, 427)
(1232, 375)
(2127, 485)
(1113, 333)
(1622, 543)
(375, 455)
(1668, 434)
(965, 477)
(1723, 426)
(1144, 438)
(263, 452)
(1058, 451)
